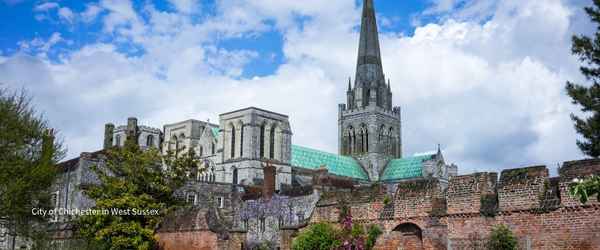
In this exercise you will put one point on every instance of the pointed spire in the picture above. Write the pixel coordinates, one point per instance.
(439, 151)
(368, 49)
(349, 84)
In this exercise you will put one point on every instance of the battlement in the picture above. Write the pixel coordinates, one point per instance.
(518, 189)
(471, 193)
(394, 112)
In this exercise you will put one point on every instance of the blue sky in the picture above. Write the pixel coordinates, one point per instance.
(34, 22)
(483, 78)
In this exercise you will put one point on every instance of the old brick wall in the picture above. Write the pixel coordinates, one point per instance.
(465, 192)
(521, 188)
(191, 240)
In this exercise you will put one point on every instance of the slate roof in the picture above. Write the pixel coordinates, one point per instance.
(336, 164)
(405, 168)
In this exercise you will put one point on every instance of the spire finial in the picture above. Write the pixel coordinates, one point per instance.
(368, 48)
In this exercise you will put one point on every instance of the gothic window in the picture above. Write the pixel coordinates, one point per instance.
(262, 140)
(118, 140)
(272, 142)
(235, 176)
(232, 141)
(280, 221)
(212, 148)
(381, 133)
(201, 151)
(220, 202)
(212, 175)
(242, 141)
(391, 141)
(353, 144)
(366, 139)
(262, 225)
(150, 141)
(361, 138)
(191, 198)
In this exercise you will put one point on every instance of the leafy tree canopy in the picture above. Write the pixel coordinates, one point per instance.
(28, 154)
(134, 180)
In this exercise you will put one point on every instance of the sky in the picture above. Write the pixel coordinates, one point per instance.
(484, 79)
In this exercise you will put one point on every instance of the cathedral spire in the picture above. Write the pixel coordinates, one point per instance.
(369, 55)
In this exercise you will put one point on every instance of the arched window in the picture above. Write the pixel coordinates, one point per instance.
(149, 141)
(262, 140)
(391, 141)
(366, 142)
(232, 141)
(235, 176)
(201, 151)
(242, 141)
(272, 142)
(118, 140)
(353, 144)
(212, 148)
(361, 141)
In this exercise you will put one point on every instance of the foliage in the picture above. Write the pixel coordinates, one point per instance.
(28, 154)
(372, 234)
(320, 236)
(583, 189)
(387, 200)
(349, 236)
(588, 97)
(134, 180)
(502, 238)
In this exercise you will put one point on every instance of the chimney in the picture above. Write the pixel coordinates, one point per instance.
(109, 130)
(269, 172)
(132, 129)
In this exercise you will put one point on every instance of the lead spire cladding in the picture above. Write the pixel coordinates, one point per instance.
(370, 84)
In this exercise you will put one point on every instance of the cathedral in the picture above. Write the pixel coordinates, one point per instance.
(369, 132)
(258, 190)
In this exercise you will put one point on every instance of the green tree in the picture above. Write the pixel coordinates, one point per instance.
(28, 154)
(502, 238)
(588, 97)
(320, 236)
(134, 180)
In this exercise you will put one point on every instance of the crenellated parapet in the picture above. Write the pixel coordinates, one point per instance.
(471, 193)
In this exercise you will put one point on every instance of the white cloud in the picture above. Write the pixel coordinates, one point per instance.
(489, 90)
(46, 6)
(90, 13)
(186, 6)
(66, 14)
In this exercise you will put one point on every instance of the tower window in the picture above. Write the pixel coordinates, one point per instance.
(272, 143)
(242, 141)
(212, 148)
(232, 141)
(150, 141)
(201, 151)
(118, 140)
(235, 176)
(262, 140)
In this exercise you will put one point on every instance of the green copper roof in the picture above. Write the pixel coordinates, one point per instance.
(215, 132)
(336, 164)
(405, 168)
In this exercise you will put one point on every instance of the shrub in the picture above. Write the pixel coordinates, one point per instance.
(372, 233)
(502, 239)
(320, 236)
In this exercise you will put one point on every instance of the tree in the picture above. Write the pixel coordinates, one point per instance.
(588, 51)
(28, 154)
(502, 238)
(137, 183)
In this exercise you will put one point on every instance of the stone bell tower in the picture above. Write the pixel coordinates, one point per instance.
(369, 127)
